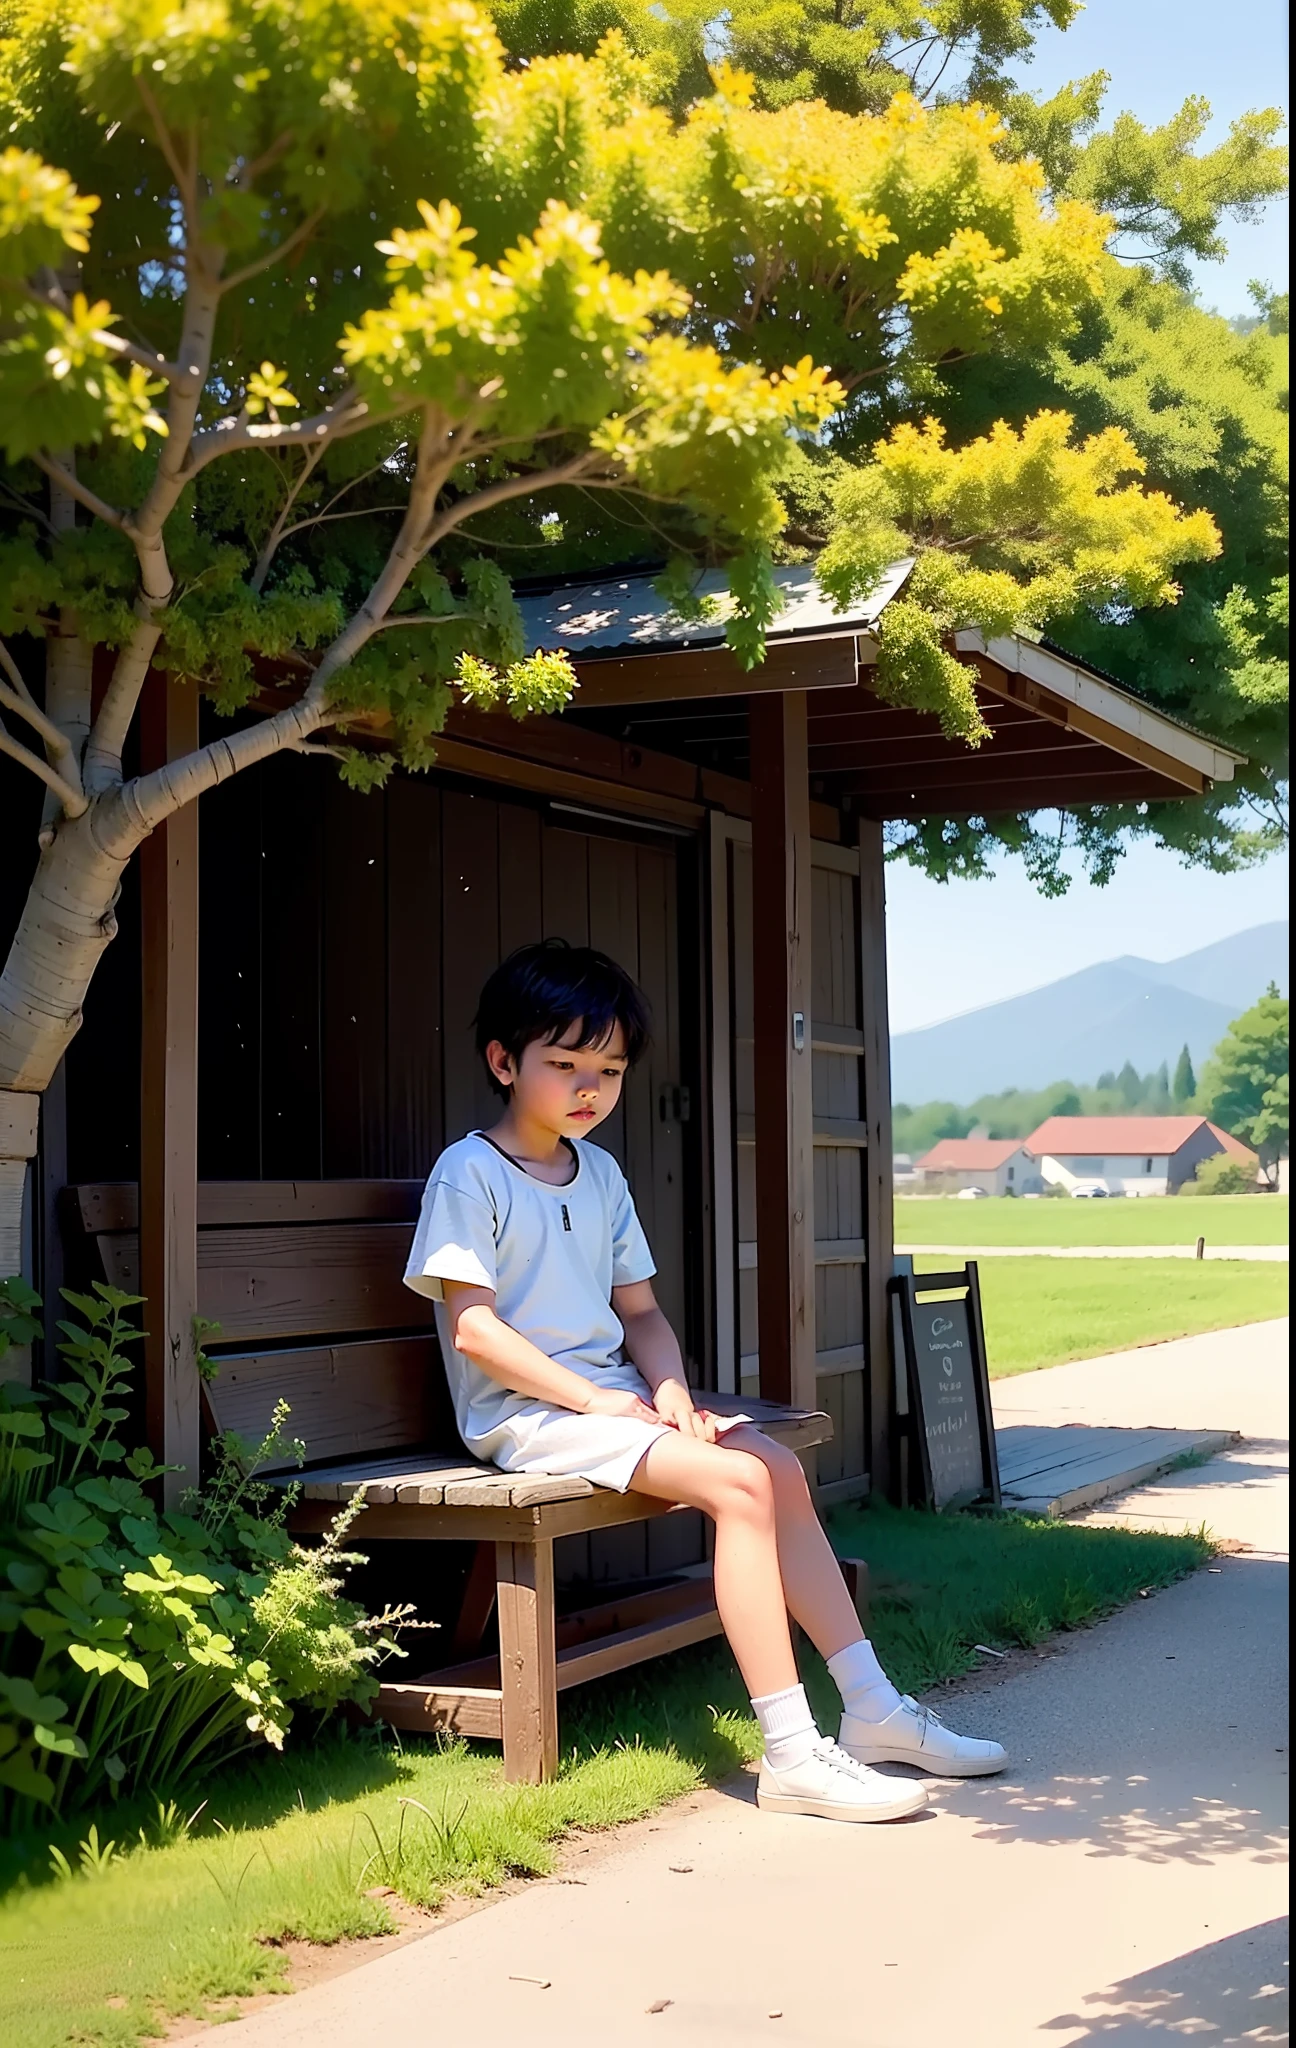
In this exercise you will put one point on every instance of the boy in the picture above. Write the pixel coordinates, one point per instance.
(560, 1361)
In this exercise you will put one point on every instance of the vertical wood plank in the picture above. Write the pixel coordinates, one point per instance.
(781, 890)
(528, 1660)
(229, 911)
(355, 984)
(414, 1034)
(879, 1210)
(292, 906)
(169, 1098)
(521, 910)
(614, 929)
(471, 894)
(566, 885)
(724, 1157)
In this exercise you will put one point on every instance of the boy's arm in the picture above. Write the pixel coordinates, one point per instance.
(513, 1361)
(651, 1344)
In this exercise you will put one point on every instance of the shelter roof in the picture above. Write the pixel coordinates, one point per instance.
(626, 615)
(1060, 733)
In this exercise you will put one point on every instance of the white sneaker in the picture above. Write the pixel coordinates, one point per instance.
(832, 1785)
(915, 1735)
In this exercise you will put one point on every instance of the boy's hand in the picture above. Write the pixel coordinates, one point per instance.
(674, 1404)
(609, 1401)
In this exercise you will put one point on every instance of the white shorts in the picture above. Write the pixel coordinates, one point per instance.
(606, 1449)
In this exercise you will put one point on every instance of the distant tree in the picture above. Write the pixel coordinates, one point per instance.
(1184, 1085)
(1159, 1092)
(1106, 1080)
(1131, 1085)
(1245, 1085)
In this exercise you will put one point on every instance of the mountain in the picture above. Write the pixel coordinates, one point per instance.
(1092, 1022)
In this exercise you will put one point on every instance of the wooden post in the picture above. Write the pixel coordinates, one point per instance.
(879, 1199)
(785, 1275)
(169, 1098)
(528, 1659)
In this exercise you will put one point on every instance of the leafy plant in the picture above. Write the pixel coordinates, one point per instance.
(135, 1644)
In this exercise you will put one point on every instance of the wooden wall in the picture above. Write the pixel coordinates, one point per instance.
(841, 1298)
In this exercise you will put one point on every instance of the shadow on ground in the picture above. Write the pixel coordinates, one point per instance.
(1230, 1992)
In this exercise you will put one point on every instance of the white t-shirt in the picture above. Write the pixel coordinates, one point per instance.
(552, 1256)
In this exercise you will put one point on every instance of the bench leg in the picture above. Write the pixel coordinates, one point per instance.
(528, 1672)
(478, 1603)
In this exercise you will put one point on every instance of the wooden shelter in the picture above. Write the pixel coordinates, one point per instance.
(300, 967)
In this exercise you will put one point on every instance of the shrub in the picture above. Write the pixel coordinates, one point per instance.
(1222, 1175)
(136, 1643)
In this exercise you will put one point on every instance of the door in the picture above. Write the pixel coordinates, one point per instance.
(840, 1142)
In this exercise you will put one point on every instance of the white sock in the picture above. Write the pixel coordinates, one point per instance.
(867, 1693)
(788, 1727)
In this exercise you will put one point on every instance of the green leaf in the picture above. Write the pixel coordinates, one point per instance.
(60, 1741)
(27, 1577)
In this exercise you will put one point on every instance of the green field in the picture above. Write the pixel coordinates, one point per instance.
(1045, 1311)
(1167, 1219)
(294, 1845)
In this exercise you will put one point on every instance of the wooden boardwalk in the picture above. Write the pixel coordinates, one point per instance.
(1057, 1470)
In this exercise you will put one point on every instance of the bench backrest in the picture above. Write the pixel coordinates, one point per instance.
(280, 1262)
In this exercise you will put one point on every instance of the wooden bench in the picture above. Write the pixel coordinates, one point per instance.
(283, 1262)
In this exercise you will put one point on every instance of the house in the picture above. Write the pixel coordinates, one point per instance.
(1131, 1155)
(301, 966)
(1002, 1166)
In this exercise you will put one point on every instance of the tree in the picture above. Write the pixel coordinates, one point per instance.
(855, 55)
(244, 451)
(1130, 1085)
(1184, 1085)
(1245, 1087)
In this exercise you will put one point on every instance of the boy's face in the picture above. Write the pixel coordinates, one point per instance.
(564, 1089)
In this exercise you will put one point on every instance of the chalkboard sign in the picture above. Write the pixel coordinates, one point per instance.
(950, 1417)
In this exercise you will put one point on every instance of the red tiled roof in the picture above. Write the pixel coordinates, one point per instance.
(1124, 1136)
(969, 1155)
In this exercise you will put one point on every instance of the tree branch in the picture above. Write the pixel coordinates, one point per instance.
(186, 185)
(107, 741)
(502, 492)
(18, 698)
(300, 233)
(68, 481)
(144, 803)
(345, 416)
(72, 800)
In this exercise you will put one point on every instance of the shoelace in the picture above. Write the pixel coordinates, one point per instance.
(925, 1714)
(838, 1759)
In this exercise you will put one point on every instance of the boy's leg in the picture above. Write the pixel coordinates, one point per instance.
(879, 1725)
(738, 1494)
(800, 1771)
(813, 1587)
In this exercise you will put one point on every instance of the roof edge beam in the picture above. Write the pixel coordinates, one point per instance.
(1071, 695)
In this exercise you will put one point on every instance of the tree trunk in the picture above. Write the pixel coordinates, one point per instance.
(67, 922)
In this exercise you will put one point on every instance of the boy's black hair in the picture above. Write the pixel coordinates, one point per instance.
(540, 991)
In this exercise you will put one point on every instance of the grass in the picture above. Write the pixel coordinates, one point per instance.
(1045, 1311)
(292, 1846)
(1171, 1219)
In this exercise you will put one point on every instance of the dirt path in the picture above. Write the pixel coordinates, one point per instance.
(1125, 1880)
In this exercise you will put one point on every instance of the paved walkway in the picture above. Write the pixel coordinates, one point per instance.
(1278, 1254)
(1125, 1882)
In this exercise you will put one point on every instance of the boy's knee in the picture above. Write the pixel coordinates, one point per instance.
(748, 1487)
(787, 1473)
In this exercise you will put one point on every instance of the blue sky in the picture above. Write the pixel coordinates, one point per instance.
(955, 946)
(1159, 52)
